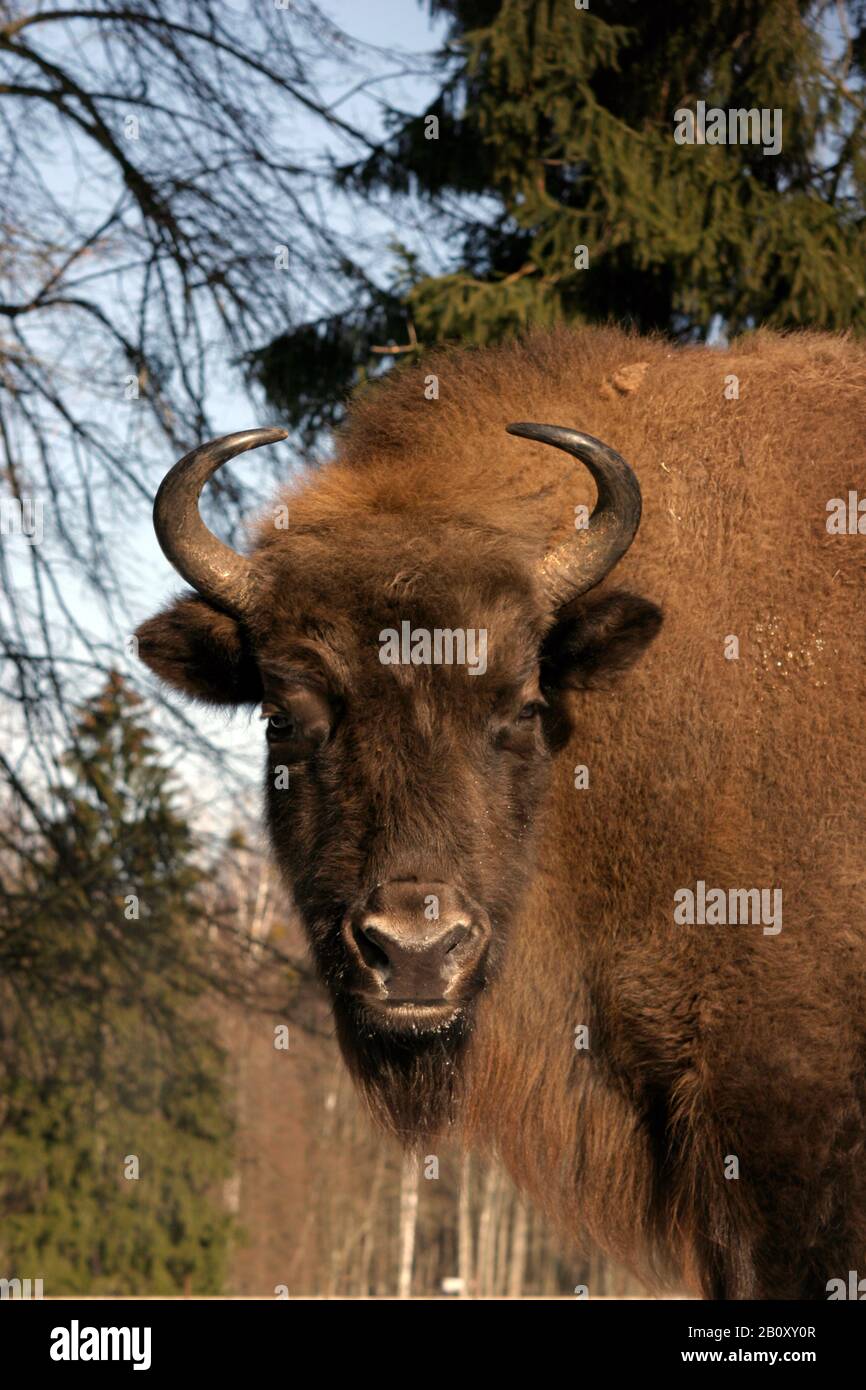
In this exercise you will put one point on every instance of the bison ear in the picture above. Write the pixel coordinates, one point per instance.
(604, 635)
(201, 652)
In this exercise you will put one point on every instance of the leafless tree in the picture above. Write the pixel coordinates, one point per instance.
(162, 212)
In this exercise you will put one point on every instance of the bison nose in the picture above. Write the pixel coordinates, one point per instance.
(418, 942)
(414, 964)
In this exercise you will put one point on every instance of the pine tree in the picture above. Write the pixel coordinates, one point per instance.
(562, 120)
(115, 1132)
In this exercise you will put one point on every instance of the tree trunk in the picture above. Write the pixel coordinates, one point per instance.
(464, 1227)
(519, 1251)
(408, 1223)
(487, 1234)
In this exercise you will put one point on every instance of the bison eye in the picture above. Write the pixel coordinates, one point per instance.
(282, 725)
(530, 711)
(299, 725)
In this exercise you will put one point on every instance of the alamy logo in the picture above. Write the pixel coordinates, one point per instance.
(720, 907)
(444, 646)
(22, 516)
(847, 517)
(735, 127)
(855, 1288)
(76, 1343)
(21, 1288)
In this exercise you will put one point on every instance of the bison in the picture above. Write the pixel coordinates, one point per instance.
(590, 887)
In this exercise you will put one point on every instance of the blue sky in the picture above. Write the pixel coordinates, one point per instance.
(394, 24)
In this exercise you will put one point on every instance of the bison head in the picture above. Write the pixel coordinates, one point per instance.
(411, 663)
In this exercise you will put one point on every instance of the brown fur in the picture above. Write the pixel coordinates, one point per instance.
(704, 1041)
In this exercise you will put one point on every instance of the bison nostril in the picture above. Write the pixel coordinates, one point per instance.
(372, 953)
(457, 937)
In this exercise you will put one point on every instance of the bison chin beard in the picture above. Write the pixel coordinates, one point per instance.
(409, 1080)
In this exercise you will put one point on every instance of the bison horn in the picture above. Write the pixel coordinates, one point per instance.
(213, 568)
(580, 563)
